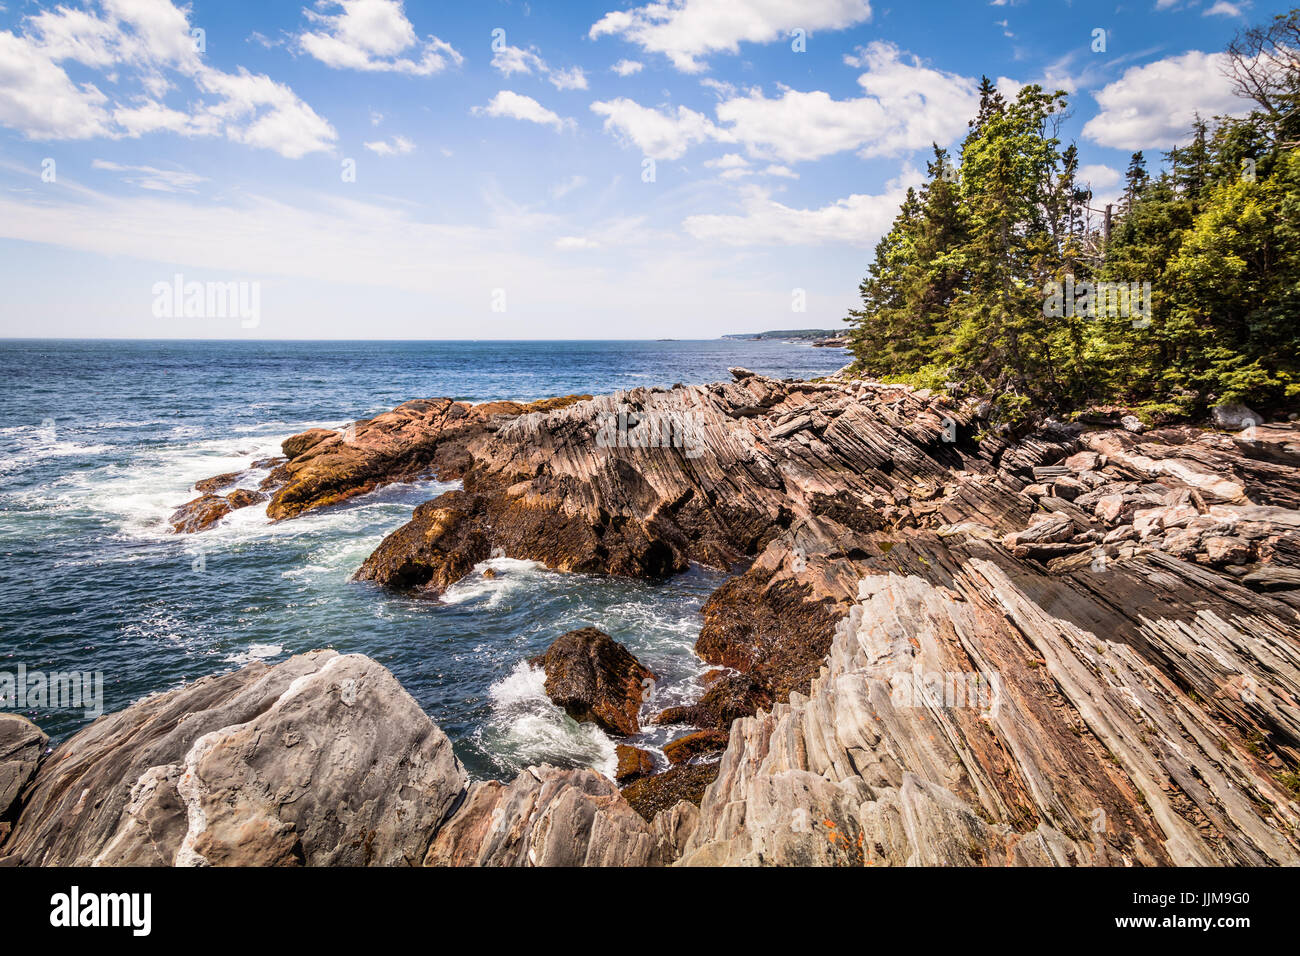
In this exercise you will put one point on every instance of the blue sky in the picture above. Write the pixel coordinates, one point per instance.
(525, 170)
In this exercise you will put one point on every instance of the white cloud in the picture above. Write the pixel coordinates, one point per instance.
(658, 135)
(1223, 9)
(399, 146)
(905, 106)
(1099, 177)
(149, 41)
(512, 105)
(258, 111)
(627, 67)
(147, 177)
(373, 36)
(1153, 106)
(857, 219)
(508, 60)
(38, 98)
(686, 30)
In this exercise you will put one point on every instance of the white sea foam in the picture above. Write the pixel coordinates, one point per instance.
(511, 575)
(255, 652)
(526, 728)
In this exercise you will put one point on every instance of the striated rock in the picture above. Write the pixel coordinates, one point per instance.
(546, 817)
(1226, 549)
(323, 467)
(633, 763)
(323, 759)
(593, 678)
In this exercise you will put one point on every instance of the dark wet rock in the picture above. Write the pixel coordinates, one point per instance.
(728, 697)
(650, 796)
(593, 678)
(217, 482)
(243, 498)
(698, 744)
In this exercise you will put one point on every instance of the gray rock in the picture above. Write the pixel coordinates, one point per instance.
(323, 759)
(21, 746)
(1234, 416)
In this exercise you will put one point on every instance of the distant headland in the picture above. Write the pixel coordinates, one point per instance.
(823, 338)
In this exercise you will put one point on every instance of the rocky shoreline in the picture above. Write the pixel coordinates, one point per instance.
(942, 645)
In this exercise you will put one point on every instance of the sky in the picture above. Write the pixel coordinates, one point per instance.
(371, 169)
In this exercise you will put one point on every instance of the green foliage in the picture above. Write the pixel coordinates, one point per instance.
(957, 290)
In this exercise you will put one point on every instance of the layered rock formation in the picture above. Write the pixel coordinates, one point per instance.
(322, 467)
(1078, 646)
(980, 562)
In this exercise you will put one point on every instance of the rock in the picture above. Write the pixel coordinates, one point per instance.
(1083, 461)
(305, 441)
(323, 759)
(1234, 417)
(1131, 423)
(1068, 488)
(21, 745)
(595, 679)
(197, 515)
(1052, 529)
(702, 742)
(728, 698)
(1182, 544)
(216, 483)
(740, 374)
(205, 511)
(545, 817)
(1271, 578)
(633, 763)
(242, 498)
(1226, 549)
(651, 796)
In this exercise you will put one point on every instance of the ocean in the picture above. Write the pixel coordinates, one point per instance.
(101, 440)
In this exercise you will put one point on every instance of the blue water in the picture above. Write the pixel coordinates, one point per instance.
(101, 440)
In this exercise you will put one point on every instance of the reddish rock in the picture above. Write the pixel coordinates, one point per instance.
(595, 679)
(633, 763)
(243, 497)
(1226, 549)
(199, 514)
(685, 749)
(304, 442)
(217, 482)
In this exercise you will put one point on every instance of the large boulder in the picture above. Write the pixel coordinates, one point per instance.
(304, 442)
(595, 679)
(21, 746)
(323, 760)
